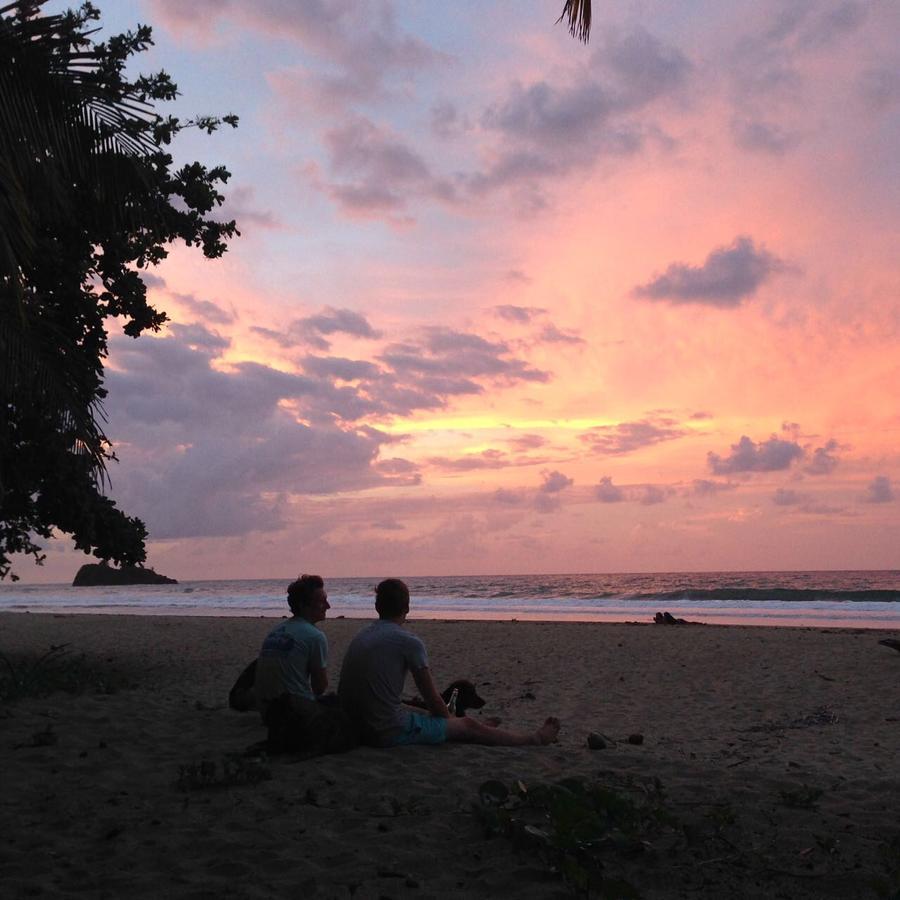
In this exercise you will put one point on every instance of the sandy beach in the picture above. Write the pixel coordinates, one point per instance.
(772, 751)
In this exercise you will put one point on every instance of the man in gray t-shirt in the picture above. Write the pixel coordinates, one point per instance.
(372, 679)
(373, 675)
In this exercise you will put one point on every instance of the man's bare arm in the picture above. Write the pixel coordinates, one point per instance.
(318, 681)
(429, 693)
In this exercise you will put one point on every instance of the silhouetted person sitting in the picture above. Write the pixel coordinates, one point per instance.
(293, 658)
(372, 679)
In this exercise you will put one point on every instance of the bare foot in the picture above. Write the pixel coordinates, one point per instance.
(547, 733)
(492, 721)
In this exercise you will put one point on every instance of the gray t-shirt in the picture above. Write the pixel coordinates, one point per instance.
(372, 679)
(288, 653)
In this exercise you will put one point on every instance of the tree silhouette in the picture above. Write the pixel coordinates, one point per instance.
(88, 199)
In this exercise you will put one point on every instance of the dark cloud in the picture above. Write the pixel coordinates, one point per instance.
(760, 136)
(824, 459)
(746, 455)
(358, 49)
(328, 322)
(397, 466)
(214, 452)
(204, 309)
(642, 66)
(339, 368)
(315, 330)
(151, 280)
(727, 277)
(554, 482)
(550, 334)
(768, 71)
(879, 490)
(199, 338)
(627, 437)
(277, 337)
(607, 492)
(240, 205)
(547, 115)
(520, 314)
(447, 356)
(421, 373)
(374, 172)
(632, 70)
(525, 442)
(551, 127)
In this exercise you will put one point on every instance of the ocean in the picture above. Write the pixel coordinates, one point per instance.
(826, 599)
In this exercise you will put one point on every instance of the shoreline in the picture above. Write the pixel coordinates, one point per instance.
(872, 624)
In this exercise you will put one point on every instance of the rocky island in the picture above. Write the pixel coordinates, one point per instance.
(104, 575)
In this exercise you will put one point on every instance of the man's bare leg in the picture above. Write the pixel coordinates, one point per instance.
(466, 730)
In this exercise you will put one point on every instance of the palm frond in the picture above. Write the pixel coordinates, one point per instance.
(578, 14)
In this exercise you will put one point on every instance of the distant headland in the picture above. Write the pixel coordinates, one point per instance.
(103, 575)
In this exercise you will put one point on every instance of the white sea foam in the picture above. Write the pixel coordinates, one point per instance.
(838, 599)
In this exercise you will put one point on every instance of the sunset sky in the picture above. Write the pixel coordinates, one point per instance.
(507, 303)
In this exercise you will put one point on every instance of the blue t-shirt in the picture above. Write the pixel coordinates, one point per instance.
(288, 653)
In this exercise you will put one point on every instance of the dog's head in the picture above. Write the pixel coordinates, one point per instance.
(467, 698)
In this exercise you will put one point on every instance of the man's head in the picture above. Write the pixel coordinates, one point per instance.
(392, 599)
(306, 597)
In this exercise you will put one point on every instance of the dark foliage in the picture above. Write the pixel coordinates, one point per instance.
(583, 830)
(56, 670)
(88, 199)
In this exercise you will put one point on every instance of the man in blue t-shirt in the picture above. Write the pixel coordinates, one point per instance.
(294, 656)
(372, 678)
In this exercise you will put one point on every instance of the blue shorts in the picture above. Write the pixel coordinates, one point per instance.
(422, 730)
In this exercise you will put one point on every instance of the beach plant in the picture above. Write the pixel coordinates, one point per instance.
(582, 829)
(232, 770)
(58, 669)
